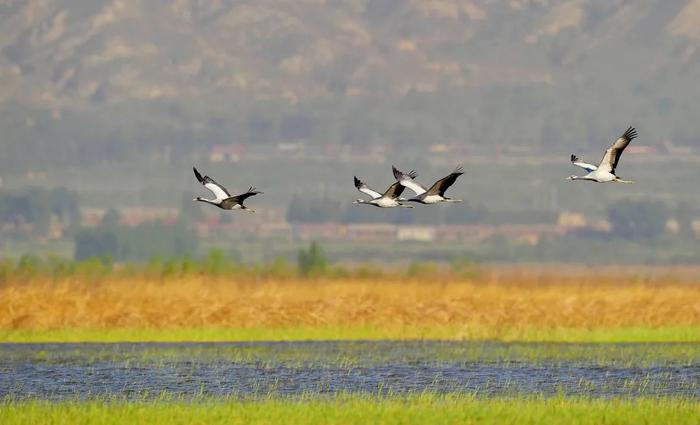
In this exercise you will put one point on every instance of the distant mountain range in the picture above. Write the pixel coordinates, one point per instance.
(261, 70)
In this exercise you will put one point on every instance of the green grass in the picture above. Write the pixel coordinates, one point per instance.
(357, 409)
(637, 334)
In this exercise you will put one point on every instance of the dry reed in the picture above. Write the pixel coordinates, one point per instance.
(514, 298)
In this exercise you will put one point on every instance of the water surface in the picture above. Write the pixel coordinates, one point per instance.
(144, 370)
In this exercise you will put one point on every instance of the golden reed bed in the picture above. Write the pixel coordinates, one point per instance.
(490, 305)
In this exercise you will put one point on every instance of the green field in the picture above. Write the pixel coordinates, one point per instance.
(352, 409)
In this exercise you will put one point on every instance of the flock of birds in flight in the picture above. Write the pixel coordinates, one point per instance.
(391, 198)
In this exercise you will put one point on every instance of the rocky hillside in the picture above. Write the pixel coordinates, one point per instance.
(134, 68)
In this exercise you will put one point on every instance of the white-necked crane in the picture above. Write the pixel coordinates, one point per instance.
(436, 193)
(223, 198)
(389, 199)
(605, 171)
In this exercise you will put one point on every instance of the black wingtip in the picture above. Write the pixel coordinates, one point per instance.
(358, 182)
(397, 173)
(574, 158)
(630, 133)
(196, 174)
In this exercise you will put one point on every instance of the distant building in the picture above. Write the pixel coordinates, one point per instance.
(640, 149)
(572, 220)
(318, 231)
(130, 216)
(673, 226)
(371, 231)
(291, 148)
(440, 148)
(416, 233)
(91, 217)
(696, 226)
(227, 153)
(601, 226)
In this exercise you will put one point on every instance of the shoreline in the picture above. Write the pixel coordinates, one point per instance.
(670, 334)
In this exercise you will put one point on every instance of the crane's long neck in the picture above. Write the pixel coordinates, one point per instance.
(208, 201)
(619, 180)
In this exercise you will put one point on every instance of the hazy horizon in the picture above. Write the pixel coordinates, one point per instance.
(116, 101)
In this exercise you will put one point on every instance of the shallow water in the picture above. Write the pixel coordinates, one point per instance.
(146, 370)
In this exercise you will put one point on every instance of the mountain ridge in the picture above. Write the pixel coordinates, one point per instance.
(191, 65)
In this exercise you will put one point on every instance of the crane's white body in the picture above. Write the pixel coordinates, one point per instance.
(605, 171)
(222, 197)
(433, 195)
(383, 202)
(389, 199)
(596, 176)
(433, 199)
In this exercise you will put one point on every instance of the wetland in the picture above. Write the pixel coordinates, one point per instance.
(255, 370)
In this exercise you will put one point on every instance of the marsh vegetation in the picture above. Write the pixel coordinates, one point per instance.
(603, 345)
(214, 302)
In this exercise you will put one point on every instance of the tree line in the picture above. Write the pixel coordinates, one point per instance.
(118, 242)
(36, 207)
(637, 221)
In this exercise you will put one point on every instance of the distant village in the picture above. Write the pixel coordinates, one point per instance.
(236, 152)
(272, 224)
